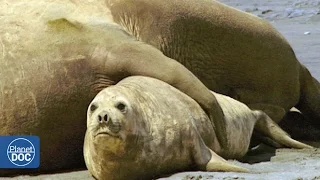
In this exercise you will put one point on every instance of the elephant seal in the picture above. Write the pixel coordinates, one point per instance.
(142, 128)
(232, 52)
(55, 56)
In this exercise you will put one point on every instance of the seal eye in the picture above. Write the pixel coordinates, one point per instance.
(122, 107)
(93, 107)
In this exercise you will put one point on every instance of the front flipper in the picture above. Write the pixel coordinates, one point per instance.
(207, 160)
(137, 58)
(217, 163)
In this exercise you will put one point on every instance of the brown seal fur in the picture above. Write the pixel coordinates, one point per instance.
(232, 52)
(143, 128)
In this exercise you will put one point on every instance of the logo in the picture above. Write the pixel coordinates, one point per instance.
(19, 151)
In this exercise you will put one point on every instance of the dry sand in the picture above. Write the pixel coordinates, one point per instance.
(299, 22)
(286, 164)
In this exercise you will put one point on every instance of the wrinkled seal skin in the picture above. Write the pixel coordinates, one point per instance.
(232, 52)
(142, 128)
(55, 56)
(46, 79)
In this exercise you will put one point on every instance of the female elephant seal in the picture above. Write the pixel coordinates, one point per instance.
(142, 128)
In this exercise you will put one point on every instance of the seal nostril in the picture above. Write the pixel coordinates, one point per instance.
(100, 118)
(105, 117)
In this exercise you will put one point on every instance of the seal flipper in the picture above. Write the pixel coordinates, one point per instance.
(207, 160)
(268, 127)
(170, 71)
(217, 163)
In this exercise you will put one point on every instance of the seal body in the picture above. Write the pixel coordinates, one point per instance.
(42, 92)
(54, 57)
(161, 130)
(142, 128)
(232, 52)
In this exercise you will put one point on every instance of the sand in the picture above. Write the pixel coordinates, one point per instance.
(285, 164)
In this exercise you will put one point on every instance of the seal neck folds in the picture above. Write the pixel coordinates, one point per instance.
(101, 81)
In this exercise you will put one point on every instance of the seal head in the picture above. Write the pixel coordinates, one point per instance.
(112, 123)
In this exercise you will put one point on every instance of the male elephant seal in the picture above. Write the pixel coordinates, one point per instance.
(142, 128)
(55, 56)
(232, 52)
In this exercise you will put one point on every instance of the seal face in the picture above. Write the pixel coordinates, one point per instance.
(110, 120)
(113, 130)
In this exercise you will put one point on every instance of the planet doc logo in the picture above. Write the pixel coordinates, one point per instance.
(19, 152)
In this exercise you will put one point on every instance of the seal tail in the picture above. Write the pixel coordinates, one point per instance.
(217, 163)
(309, 103)
(271, 129)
